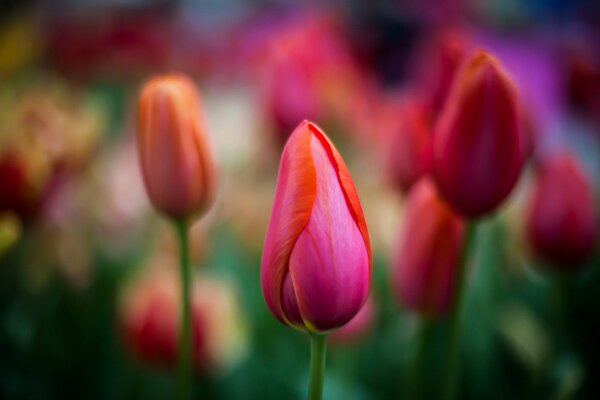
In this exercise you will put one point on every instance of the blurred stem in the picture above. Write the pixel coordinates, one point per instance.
(185, 345)
(453, 364)
(423, 340)
(318, 353)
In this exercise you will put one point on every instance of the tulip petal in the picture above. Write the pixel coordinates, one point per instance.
(329, 264)
(295, 194)
(347, 187)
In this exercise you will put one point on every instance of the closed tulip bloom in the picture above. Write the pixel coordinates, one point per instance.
(562, 217)
(316, 263)
(428, 252)
(478, 148)
(175, 158)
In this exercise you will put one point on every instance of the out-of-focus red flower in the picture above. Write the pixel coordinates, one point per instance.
(562, 225)
(358, 327)
(478, 146)
(175, 157)
(83, 45)
(583, 82)
(316, 263)
(437, 66)
(304, 68)
(408, 146)
(428, 252)
(149, 321)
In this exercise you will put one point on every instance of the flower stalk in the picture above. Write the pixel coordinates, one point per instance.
(453, 362)
(185, 337)
(318, 354)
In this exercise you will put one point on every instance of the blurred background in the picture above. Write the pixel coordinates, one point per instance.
(87, 268)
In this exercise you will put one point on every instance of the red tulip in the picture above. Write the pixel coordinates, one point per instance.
(428, 254)
(408, 148)
(478, 147)
(149, 320)
(175, 158)
(316, 264)
(562, 217)
(447, 56)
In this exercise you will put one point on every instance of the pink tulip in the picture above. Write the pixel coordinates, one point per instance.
(175, 158)
(478, 148)
(316, 264)
(428, 254)
(562, 218)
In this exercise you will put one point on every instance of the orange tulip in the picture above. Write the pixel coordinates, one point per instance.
(176, 161)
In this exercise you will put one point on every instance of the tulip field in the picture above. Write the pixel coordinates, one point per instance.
(299, 200)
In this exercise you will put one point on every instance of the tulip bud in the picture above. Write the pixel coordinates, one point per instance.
(175, 158)
(316, 263)
(428, 253)
(149, 321)
(478, 149)
(561, 224)
(408, 148)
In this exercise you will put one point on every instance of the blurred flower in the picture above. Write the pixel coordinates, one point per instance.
(175, 157)
(583, 81)
(562, 216)
(108, 42)
(358, 327)
(408, 145)
(446, 53)
(478, 146)
(47, 132)
(428, 252)
(149, 319)
(316, 263)
(304, 67)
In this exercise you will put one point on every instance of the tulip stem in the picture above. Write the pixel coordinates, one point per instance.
(419, 363)
(318, 353)
(185, 359)
(453, 363)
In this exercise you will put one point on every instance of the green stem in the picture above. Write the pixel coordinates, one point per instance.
(318, 353)
(418, 373)
(453, 364)
(185, 345)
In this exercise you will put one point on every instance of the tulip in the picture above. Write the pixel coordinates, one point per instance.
(179, 175)
(149, 322)
(428, 252)
(478, 148)
(561, 223)
(409, 146)
(316, 262)
(447, 55)
(176, 162)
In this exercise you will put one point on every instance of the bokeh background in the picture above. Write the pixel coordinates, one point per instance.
(82, 254)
